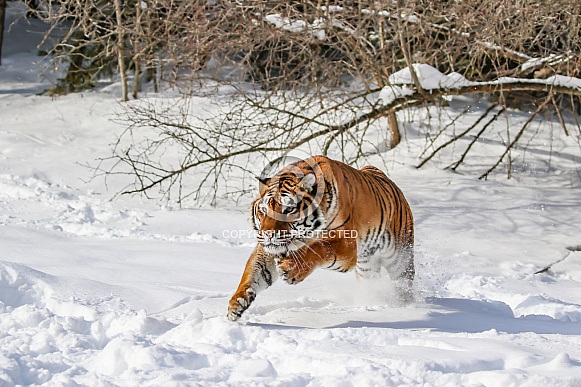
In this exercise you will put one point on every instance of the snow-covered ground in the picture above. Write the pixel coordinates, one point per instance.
(95, 291)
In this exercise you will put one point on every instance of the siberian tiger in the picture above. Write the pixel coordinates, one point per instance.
(320, 212)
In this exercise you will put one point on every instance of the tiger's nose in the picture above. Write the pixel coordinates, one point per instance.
(269, 233)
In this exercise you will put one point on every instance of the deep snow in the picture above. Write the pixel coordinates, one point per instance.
(95, 291)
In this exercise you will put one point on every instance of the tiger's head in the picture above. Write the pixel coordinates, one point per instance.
(290, 209)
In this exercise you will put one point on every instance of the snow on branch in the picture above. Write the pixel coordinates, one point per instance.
(455, 84)
(400, 94)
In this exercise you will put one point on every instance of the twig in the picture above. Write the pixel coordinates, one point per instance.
(434, 138)
(494, 118)
(549, 266)
(517, 137)
(457, 136)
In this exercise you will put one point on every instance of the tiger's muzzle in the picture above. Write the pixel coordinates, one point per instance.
(278, 242)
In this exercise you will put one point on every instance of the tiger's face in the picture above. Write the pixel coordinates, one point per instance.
(288, 212)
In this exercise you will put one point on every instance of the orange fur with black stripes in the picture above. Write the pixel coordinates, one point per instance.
(323, 213)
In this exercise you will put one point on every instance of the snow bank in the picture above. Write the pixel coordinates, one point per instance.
(45, 339)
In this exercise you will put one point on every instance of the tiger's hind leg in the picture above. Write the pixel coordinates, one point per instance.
(368, 267)
(400, 266)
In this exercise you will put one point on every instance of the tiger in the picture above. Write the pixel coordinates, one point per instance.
(322, 213)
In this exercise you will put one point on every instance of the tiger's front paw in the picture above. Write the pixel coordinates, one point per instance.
(291, 270)
(239, 303)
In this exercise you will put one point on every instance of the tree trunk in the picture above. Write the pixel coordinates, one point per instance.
(120, 49)
(2, 18)
(136, 79)
(152, 74)
(395, 137)
(392, 124)
(138, 44)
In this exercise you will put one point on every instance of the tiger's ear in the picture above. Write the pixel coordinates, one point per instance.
(308, 182)
(262, 183)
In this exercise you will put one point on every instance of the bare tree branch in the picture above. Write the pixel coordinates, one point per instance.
(516, 138)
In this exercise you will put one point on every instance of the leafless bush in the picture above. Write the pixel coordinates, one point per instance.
(320, 75)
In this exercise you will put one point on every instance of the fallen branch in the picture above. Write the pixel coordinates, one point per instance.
(429, 95)
(549, 266)
(243, 131)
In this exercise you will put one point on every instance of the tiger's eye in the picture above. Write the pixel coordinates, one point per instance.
(263, 207)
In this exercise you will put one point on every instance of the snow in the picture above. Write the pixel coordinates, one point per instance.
(551, 60)
(97, 290)
(285, 23)
(297, 26)
(431, 78)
